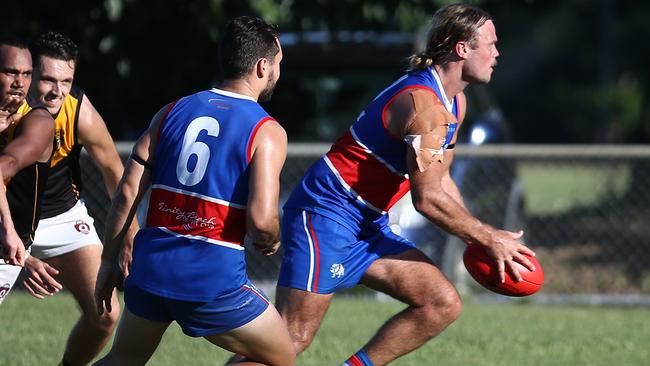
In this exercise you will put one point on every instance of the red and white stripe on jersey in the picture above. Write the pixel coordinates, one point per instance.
(249, 148)
(365, 174)
(195, 216)
(164, 117)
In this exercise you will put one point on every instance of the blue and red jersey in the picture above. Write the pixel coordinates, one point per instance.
(364, 174)
(192, 245)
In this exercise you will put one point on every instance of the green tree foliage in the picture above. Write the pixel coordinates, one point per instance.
(570, 70)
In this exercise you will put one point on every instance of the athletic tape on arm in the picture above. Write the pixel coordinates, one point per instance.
(426, 138)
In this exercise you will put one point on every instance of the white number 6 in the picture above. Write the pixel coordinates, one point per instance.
(193, 147)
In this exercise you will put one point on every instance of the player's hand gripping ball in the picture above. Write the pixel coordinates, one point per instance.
(484, 270)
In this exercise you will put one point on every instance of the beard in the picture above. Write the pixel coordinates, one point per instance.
(267, 93)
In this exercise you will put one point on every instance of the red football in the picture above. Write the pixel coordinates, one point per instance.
(484, 270)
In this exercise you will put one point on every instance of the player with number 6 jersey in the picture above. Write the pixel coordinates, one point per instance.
(210, 131)
(213, 162)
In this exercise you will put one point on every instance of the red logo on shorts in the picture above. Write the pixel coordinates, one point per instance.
(82, 227)
(4, 289)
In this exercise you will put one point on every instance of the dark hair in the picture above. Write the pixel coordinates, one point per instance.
(245, 40)
(55, 45)
(450, 25)
(14, 41)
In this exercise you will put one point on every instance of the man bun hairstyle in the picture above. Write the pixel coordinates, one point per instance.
(450, 25)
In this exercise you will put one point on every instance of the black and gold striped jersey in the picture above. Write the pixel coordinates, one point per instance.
(25, 190)
(64, 183)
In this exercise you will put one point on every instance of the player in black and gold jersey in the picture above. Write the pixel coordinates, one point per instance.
(13, 250)
(25, 150)
(66, 238)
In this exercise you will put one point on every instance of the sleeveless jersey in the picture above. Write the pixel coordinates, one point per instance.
(364, 174)
(25, 191)
(192, 246)
(64, 183)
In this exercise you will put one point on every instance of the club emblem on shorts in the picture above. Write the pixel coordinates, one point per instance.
(4, 289)
(82, 227)
(337, 270)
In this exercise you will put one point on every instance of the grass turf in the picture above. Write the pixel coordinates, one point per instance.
(34, 333)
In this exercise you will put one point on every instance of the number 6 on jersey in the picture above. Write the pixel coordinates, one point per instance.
(191, 146)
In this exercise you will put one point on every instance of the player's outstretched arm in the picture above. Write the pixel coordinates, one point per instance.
(8, 111)
(448, 183)
(13, 250)
(40, 281)
(32, 143)
(432, 192)
(130, 190)
(269, 151)
(93, 134)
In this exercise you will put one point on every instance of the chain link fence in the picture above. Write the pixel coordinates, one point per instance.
(585, 211)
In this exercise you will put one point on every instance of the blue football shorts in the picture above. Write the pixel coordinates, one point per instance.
(323, 256)
(199, 319)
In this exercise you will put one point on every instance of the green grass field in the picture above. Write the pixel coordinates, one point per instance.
(34, 332)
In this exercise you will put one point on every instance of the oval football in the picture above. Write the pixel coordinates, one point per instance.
(484, 270)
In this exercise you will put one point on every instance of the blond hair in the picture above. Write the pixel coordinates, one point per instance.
(450, 25)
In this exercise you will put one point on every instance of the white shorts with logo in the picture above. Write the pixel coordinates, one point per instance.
(65, 233)
(8, 276)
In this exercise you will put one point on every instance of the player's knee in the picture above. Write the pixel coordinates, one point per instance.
(299, 345)
(438, 307)
(445, 307)
(301, 335)
(300, 341)
(451, 305)
(104, 323)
